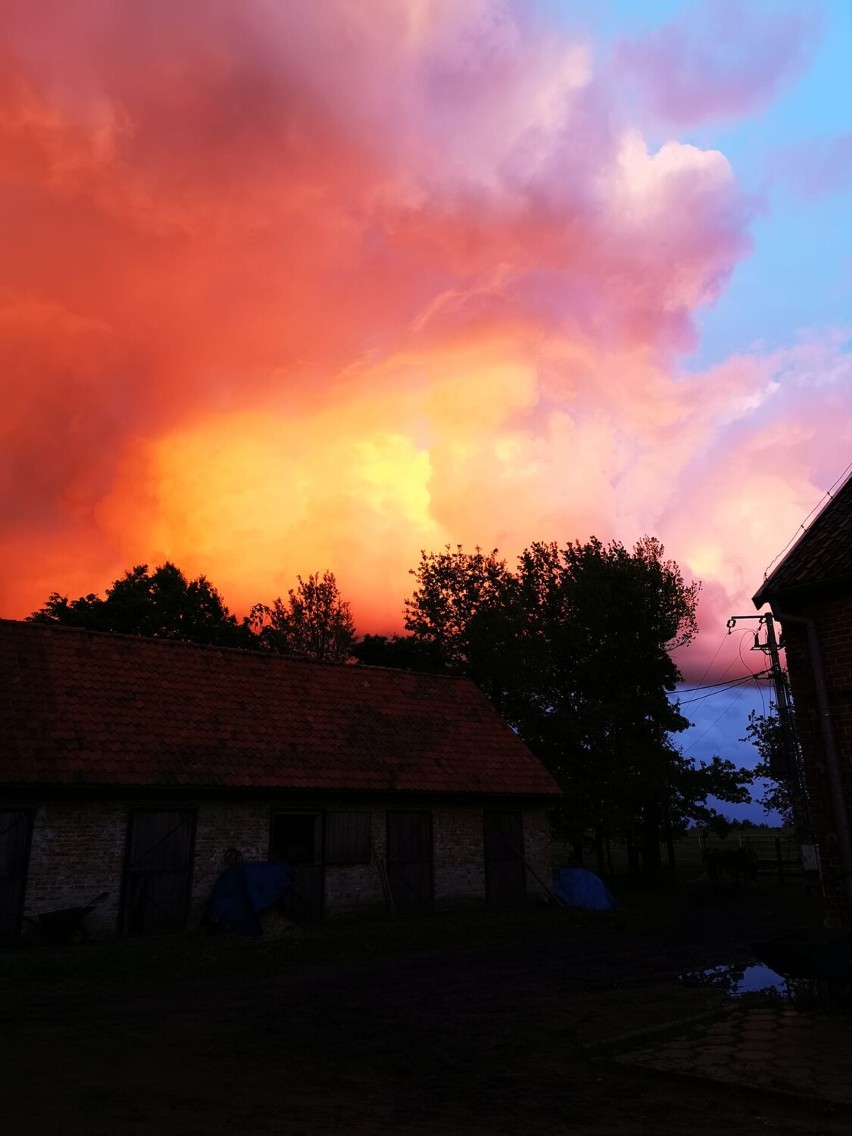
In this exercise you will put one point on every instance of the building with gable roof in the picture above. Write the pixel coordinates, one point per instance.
(133, 766)
(810, 593)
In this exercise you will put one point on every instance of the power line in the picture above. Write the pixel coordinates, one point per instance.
(743, 636)
(728, 682)
(727, 710)
(716, 686)
(803, 526)
(713, 660)
(728, 686)
(762, 699)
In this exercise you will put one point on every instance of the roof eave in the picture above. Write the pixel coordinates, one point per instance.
(41, 789)
(769, 594)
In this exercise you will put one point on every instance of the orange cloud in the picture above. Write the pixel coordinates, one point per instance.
(309, 286)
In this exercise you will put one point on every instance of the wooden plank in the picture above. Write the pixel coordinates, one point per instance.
(158, 873)
(505, 878)
(409, 859)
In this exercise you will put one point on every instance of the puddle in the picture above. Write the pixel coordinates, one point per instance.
(736, 981)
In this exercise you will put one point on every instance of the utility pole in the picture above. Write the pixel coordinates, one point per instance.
(784, 765)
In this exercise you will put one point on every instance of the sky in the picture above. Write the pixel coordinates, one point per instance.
(295, 287)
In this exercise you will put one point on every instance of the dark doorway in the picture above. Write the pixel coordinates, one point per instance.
(15, 831)
(409, 860)
(505, 875)
(297, 838)
(158, 871)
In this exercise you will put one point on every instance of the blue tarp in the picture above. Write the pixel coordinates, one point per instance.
(242, 892)
(579, 888)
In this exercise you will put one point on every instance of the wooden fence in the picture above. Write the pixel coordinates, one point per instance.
(778, 853)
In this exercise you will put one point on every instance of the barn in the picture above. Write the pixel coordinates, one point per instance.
(137, 766)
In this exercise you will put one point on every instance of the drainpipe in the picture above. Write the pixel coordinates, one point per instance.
(841, 817)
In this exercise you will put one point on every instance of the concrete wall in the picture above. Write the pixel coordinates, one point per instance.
(78, 850)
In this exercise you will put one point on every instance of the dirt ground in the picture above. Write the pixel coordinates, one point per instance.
(472, 1022)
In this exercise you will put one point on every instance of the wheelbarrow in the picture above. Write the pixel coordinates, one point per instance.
(60, 928)
(817, 967)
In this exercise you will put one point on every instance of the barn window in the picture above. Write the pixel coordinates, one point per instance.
(297, 837)
(347, 838)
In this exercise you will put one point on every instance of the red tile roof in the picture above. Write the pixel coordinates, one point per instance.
(90, 709)
(821, 556)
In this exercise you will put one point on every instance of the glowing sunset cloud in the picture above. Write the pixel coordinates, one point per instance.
(287, 287)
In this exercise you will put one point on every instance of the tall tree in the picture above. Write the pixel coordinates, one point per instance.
(573, 647)
(314, 622)
(465, 609)
(604, 619)
(766, 734)
(162, 603)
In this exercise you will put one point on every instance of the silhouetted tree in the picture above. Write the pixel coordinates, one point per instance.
(765, 733)
(314, 622)
(573, 649)
(163, 604)
(401, 652)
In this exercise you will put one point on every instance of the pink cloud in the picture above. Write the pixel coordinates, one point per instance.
(816, 168)
(721, 60)
(313, 286)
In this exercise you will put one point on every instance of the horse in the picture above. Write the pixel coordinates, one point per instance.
(739, 865)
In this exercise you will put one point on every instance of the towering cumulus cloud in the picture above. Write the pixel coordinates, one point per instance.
(287, 287)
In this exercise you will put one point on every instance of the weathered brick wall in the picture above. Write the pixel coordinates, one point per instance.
(78, 850)
(458, 855)
(350, 888)
(220, 826)
(833, 620)
(458, 861)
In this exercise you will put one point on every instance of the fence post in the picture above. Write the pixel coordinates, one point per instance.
(779, 859)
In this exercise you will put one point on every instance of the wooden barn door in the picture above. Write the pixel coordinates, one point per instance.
(297, 838)
(158, 871)
(409, 860)
(15, 832)
(505, 875)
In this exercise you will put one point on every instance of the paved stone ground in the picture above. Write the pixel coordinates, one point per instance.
(775, 1048)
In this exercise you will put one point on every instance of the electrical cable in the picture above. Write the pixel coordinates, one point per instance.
(728, 686)
(727, 682)
(713, 660)
(703, 686)
(727, 710)
(829, 493)
(762, 699)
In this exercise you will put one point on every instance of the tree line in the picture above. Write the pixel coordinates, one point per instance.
(313, 622)
(572, 645)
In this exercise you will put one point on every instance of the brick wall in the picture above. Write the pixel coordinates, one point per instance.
(220, 826)
(833, 620)
(358, 887)
(458, 856)
(78, 850)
